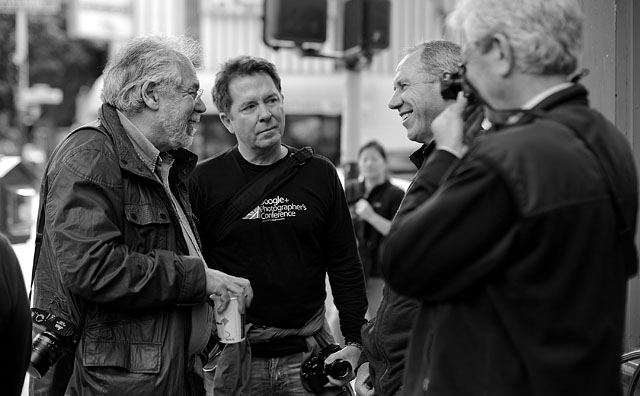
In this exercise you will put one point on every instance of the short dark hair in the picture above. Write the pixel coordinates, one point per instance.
(374, 144)
(237, 67)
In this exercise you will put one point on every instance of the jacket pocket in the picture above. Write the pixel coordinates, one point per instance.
(145, 214)
(148, 226)
(134, 344)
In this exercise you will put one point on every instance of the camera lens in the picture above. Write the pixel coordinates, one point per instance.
(338, 369)
(46, 350)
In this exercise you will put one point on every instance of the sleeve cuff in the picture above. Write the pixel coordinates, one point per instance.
(193, 285)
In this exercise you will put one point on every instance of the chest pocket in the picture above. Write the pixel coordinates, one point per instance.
(148, 227)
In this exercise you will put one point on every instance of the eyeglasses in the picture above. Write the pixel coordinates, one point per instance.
(196, 95)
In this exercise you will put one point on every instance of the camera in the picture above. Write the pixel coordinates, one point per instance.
(473, 114)
(314, 371)
(452, 83)
(59, 336)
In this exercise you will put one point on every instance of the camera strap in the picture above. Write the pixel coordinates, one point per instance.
(248, 197)
(44, 187)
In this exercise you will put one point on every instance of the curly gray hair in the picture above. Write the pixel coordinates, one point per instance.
(546, 36)
(151, 58)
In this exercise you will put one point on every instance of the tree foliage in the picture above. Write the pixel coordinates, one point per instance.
(54, 59)
(8, 72)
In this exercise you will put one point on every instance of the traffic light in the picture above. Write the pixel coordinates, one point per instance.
(377, 16)
(353, 26)
(296, 21)
(366, 25)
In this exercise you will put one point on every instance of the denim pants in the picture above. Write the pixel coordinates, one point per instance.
(281, 376)
(277, 376)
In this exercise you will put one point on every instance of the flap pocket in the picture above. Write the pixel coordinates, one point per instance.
(135, 358)
(131, 344)
(143, 214)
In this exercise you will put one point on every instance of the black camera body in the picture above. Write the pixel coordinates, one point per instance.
(314, 372)
(58, 335)
(473, 114)
(452, 83)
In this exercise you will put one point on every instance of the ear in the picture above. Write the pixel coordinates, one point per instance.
(226, 122)
(503, 55)
(150, 95)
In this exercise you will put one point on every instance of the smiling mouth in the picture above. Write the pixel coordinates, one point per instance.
(406, 115)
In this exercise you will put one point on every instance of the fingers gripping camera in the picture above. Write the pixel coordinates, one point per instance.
(314, 371)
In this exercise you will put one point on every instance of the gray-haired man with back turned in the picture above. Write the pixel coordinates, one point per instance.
(527, 245)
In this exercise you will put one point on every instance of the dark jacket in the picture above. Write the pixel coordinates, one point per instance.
(526, 258)
(15, 322)
(385, 337)
(112, 234)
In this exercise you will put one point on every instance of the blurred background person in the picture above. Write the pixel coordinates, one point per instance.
(373, 201)
(15, 322)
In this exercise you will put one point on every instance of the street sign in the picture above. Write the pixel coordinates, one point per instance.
(101, 19)
(31, 6)
(41, 94)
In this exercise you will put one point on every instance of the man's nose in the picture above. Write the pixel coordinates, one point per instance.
(200, 107)
(265, 113)
(395, 101)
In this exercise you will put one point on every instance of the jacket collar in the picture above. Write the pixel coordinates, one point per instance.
(184, 163)
(576, 94)
(420, 155)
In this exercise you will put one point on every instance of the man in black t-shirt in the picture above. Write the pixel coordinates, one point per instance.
(286, 246)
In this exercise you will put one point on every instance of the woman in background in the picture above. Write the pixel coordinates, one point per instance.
(373, 202)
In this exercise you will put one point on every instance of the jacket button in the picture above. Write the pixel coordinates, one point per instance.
(163, 216)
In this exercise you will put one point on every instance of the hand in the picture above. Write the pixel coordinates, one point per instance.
(448, 127)
(225, 286)
(349, 353)
(363, 385)
(363, 209)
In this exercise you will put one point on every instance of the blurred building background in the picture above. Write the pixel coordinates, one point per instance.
(318, 103)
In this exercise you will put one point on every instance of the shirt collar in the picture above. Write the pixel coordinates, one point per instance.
(537, 99)
(147, 152)
(534, 101)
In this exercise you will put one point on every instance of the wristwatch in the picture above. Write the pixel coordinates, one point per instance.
(354, 344)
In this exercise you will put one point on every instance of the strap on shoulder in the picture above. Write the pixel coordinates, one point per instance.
(264, 184)
(44, 187)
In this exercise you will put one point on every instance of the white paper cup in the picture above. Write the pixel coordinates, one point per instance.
(229, 323)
